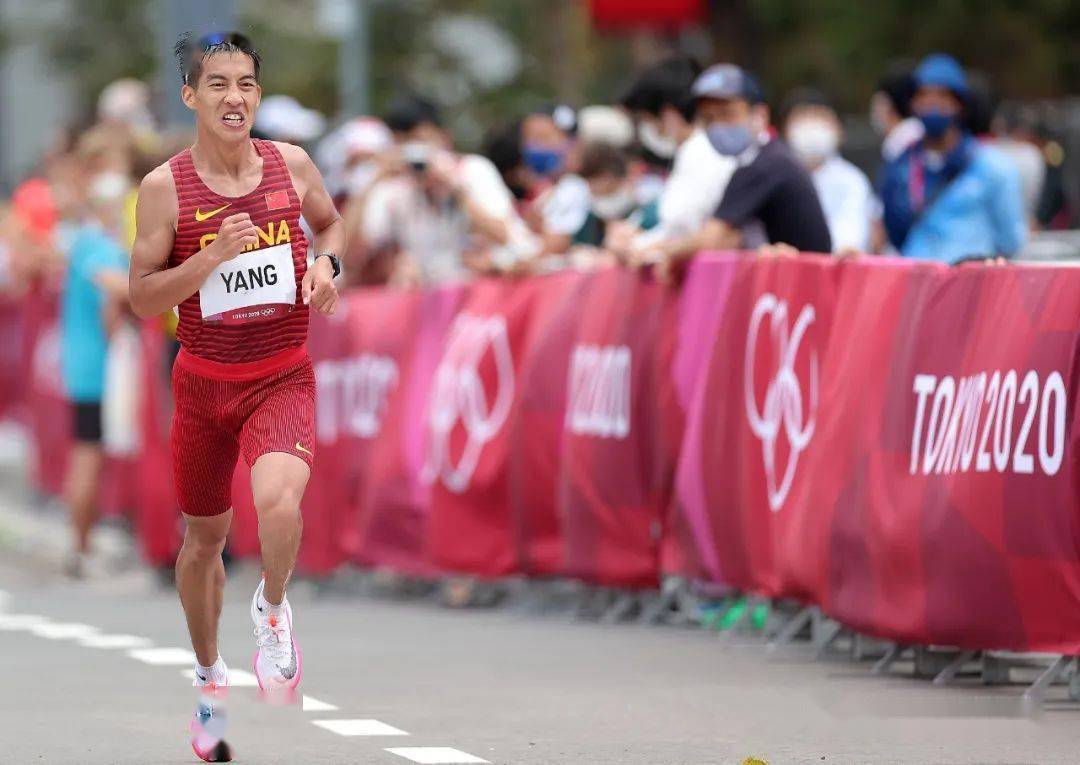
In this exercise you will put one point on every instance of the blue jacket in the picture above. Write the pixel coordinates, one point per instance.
(978, 213)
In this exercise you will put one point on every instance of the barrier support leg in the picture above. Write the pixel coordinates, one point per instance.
(884, 664)
(829, 635)
(1074, 680)
(621, 608)
(671, 597)
(794, 626)
(946, 676)
(1036, 692)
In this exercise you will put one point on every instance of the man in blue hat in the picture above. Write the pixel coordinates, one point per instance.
(770, 199)
(948, 198)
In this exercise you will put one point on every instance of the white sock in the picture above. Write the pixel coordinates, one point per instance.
(270, 607)
(215, 673)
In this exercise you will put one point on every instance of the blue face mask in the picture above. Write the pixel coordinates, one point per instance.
(729, 139)
(935, 123)
(543, 161)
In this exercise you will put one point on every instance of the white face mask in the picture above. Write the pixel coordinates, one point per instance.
(360, 176)
(813, 140)
(613, 206)
(655, 141)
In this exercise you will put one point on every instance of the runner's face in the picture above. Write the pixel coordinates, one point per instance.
(226, 97)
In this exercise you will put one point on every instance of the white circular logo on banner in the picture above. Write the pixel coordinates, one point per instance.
(782, 406)
(458, 396)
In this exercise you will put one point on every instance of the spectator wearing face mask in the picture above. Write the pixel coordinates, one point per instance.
(438, 215)
(550, 153)
(663, 107)
(770, 199)
(948, 198)
(612, 195)
(813, 131)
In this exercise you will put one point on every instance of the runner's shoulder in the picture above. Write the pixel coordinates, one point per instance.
(157, 192)
(296, 158)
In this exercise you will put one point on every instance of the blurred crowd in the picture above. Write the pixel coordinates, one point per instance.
(688, 158)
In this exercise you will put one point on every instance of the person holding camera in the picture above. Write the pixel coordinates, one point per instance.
(443, 216)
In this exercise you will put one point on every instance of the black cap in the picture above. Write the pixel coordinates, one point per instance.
(726, 82)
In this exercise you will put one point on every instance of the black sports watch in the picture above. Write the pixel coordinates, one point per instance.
(335, 261)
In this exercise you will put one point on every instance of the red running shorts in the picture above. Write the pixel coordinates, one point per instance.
(214, 421)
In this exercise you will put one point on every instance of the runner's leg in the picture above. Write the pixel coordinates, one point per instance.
(204, 457)
(278, 481)
(200, 580)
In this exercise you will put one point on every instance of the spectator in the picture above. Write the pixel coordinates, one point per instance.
(283, 118)
(663, 106)
(612, 194)
(1016, 136)
(549, 151)
(442, 216)
(96, 276)
(813, 131)
(890, 114)
(770, 198)
(947, 197)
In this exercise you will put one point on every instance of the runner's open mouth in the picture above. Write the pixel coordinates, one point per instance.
(233, 119)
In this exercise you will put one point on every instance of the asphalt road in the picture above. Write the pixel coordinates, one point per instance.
(501, 686)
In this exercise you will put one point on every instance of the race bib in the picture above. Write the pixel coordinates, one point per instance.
(254, 285)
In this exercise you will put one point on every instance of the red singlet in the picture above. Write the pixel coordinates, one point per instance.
(248, 320)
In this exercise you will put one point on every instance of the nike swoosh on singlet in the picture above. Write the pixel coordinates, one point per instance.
(200, 216)
(300, 448)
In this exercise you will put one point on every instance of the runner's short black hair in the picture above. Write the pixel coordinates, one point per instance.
(191, 53)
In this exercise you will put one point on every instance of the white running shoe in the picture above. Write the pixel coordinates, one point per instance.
(208, 728)
(278, 664)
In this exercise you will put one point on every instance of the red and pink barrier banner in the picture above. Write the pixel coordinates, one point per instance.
(895, 442)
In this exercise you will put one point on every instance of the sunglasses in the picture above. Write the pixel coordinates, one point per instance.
(213, 39)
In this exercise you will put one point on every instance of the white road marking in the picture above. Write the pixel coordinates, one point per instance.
(163, 657)
(434, 755)
(359, 728)
(238, 678)
(63, 630)
(312, 704)
(115, 641)
(13, 622)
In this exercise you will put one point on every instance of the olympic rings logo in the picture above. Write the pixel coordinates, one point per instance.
(783, 402)
(458, 396)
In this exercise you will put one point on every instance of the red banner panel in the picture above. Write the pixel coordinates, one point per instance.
(893, 441)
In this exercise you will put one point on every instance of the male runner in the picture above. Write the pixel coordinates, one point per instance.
(218, 234)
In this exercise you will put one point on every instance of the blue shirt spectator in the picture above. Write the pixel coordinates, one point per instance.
(83, 339)
(948, 197)
(949, 207)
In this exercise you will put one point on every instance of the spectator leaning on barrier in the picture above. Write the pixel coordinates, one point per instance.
(663, 106)
(606, 169)
(445, 215)
(96, 280)
(770, 199)
(814, 132)
(948, 198)
(550, 151)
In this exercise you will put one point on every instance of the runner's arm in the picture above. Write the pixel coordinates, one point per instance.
(316, 205)
(153, 288)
